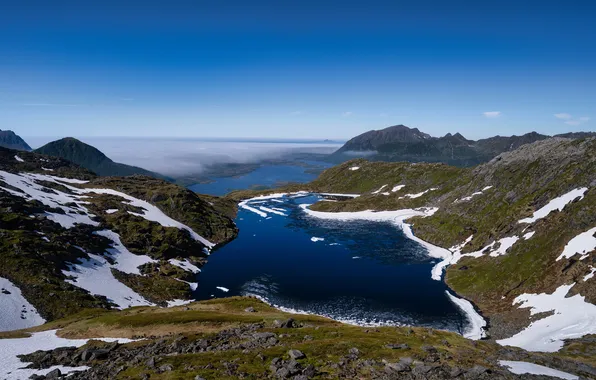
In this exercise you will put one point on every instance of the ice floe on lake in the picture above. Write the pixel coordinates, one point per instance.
(520, 368)
(12, 368)
(16, 312)
(558, 203)
(222, 289)
(572, 317)
(316, 239)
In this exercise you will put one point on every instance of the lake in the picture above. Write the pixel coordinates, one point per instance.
(362, 272)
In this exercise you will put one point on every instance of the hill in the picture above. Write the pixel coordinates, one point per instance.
(8, 139)
(91, 158)
(400, 143)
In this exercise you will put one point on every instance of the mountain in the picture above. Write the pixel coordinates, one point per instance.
(91, 158)
(72, 240)
(8, 139)
(400, 143)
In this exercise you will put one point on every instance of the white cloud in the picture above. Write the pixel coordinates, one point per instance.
(492, 114)
(347, 114)
(569, 120)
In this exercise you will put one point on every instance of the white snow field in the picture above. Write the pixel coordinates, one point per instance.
(397, 188)
(558, 203)
(520, 368)
(18, 158)
(95, 274)
(16, 312)
(573, 318)
(418, 195)
(583, 244)
(12, 368)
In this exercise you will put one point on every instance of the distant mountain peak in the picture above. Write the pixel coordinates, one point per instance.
(9, 139)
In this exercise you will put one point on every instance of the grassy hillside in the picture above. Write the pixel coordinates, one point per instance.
(237, 337)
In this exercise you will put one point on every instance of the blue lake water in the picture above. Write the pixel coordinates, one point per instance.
(267, 175)
(363, 271)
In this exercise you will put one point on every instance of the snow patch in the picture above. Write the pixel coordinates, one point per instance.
(16, 312)
(591, 274)
(418, 195)
(185, 264)
(379, 190)
(222, 289)
(582, 244)
(175, 303)
(475, 329)
(473, 195)
(558, 203)
(12, 368)
(353, 168)
(529, 235)
(520, 368)
(505, 244)
(18, 158)
(111, 210)
(397, 188)
(573, 318)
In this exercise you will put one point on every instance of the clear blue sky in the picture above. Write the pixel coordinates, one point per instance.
(296, 69)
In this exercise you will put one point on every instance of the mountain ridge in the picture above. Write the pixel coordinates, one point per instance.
(401, 143)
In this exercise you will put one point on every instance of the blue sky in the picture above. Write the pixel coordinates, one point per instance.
(324, 69)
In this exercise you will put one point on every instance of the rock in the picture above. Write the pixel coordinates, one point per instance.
(429, 349)
(455, 372)
(294, 367)
(288, 324)
(36, 377)
(354, 351)
(300, 377)
(421, 370)
(199, 378)
(309, 371)
(296, 354)
(263, 335)
(402, 346)
(308, 337)
(150, 363)
(282, 373)
(476, 371)
(166, 368)
(250, 310)
(55, 374)
(397, 367)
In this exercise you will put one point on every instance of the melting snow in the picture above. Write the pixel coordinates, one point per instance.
(95, 273)
(47, 170)
(505, 244)
(591, 274)
(397, 188)
(529, 235)
(558, 203)
(16, 312)
(582, 244)
(18, 158)
(520, 368)
(11, 367)
(185, 264)
(573, 318)
(175, 303)
(475, 328)
(473, 195)
(379, 190)
(418, 195)
(111, 210)
(353, 168)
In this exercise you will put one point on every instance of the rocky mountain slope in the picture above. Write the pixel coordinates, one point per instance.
(518, 234)
(71, 240)
(400, 143)
(8, 139)
(91, 158)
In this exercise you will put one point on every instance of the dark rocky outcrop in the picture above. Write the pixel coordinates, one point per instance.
(8, 139)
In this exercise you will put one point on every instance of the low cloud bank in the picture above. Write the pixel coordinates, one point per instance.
(176, 157)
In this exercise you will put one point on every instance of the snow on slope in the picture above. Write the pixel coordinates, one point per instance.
(558, 203)
(473, 195)
(582, 244)
(520, 368)
(573, 318)
(475, 329)
(418, 195)
(12, 368)
(15, 311)
(397, 188)
(185, 264)
(152, 213)
(18, 158)
(95, 274)
(379, 190)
